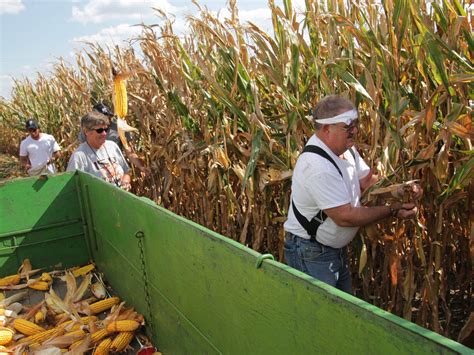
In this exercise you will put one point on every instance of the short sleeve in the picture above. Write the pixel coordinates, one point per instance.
(328, 190)
(23, 152)
(75, 162)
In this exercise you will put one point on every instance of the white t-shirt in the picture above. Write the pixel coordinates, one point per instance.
(106, 163)
(39, 152)
(316, 184)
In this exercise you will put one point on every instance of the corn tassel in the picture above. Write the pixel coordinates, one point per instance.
(26, 327)
(10, 280)
(121, 341)
(104, 347)
(83, 270)
(103, 305)
(123, 326)
(6, 335)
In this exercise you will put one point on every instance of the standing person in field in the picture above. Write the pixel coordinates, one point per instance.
(98, 156)
(112, 135)
(325, 212)
(38, 151)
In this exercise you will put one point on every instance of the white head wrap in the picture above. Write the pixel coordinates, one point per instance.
(346, 117)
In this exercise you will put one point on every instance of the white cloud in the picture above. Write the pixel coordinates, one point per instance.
(111, 35)
(11, 6)
(6, 85)
(98, 11)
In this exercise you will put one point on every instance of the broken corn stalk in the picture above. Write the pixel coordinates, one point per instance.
(26, 327)
(123, 326)
(101, 306)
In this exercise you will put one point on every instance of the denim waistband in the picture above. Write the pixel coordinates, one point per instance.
(311, 240)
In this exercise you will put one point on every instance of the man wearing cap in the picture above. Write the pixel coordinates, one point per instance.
(38, 151)
(325, 212)
(112, 135)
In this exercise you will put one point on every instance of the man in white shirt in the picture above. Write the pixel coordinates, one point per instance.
(38, 151)
(325, 212)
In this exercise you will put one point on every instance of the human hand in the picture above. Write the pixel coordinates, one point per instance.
(413, 189)
(407, 211)
(125, 183)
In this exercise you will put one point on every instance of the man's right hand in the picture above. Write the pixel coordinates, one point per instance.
(407, 211)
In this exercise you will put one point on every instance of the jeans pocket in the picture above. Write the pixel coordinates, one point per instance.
(310, 252)
(289, 250)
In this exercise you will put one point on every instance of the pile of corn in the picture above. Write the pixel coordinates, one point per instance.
(75, 324)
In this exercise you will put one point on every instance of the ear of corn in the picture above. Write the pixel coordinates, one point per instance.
(10, 280)
(83, 270)
(46, 277)
(104, 347)
(44, 335)
(26, 327)
(123, 326)
(39, 317)
(39, 285)
(6, 335)
(101, 306)
(121, 341)
(120, 95)
(98, 335)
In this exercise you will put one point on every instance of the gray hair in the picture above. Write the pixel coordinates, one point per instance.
(93, 119)
(331, 106)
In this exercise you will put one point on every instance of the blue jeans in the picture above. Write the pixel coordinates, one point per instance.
(324, 263)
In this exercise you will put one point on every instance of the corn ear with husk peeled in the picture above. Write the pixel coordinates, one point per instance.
(26, 327)
(123, 326)
(104, 347)
(120, 102)
(121, 341)
(103, 305)
(10, 280)
(83, 270)
(6, 335)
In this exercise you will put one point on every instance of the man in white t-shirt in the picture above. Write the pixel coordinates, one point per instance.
(38, 151)
(325, 212)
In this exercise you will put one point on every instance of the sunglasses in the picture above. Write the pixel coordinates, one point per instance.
(100, 130)
(352, 126)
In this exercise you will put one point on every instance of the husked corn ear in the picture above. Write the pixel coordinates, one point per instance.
(27, 327)
(39, 317)
(84, 320)
(10, 280)
(40, 337)
(101, 306)
(83, 270)
(46, 277)
(123, 326)
(120, 95)
(98, 335)
(121, 341)
(6, 335)
(104, 347)
(39, 285)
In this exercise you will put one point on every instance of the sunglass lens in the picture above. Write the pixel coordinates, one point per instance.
(100, 130)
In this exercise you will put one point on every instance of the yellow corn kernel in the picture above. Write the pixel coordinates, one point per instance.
(104, 347)
(103, 305)
(83, 270)
(27, 327)
(99, 334)
(10, 280)
(6, 335)
(39, 285)
(39, 317)
(123, 326)
(120, 95)
(121, 341)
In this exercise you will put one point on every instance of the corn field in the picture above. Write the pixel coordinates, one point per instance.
(222, 115)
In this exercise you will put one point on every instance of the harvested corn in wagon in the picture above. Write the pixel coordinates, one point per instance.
(70, 311)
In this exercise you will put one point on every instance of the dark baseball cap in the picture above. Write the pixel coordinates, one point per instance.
(100, 107)
(31, 124)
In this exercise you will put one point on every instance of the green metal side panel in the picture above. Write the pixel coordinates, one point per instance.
(40, 219)
(206, 294)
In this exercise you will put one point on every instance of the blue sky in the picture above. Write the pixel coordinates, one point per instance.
(35, 33)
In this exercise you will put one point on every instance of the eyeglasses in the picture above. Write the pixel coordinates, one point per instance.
(352, 126)
(100, 130)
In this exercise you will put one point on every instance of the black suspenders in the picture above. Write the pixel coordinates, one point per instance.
(312, 226)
